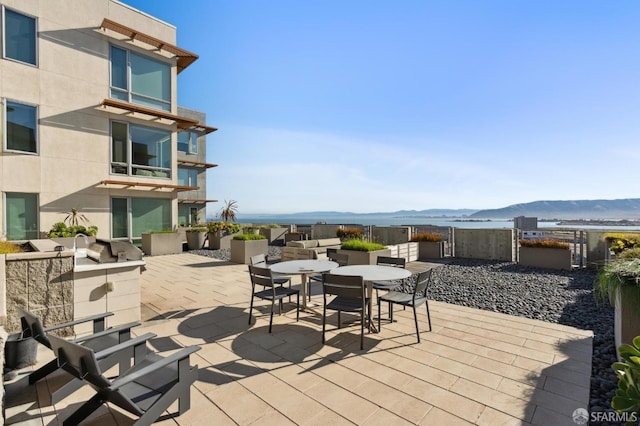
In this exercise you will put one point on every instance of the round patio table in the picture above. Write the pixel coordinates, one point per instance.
(370, 273)
(303, 268)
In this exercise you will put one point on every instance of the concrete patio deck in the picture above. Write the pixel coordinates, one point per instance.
(474, 367)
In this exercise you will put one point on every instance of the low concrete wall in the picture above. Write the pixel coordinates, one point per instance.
(597, 249)
(40, 282)
(488, 244)
(389, 235)
(319, 232)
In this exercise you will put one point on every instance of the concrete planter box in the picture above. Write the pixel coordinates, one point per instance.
(430, 250)
(159, 244)
(542, 257)
(195, 240)
(274, 235)
(242, 250)
(364, 257)
(220, 241)
(293, 237)
(627, 314)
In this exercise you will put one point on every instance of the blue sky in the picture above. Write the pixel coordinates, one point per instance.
(373, 106)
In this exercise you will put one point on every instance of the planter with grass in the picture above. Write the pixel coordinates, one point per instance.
(430, 245)
(548, 254)
(161, 242)
(243, 246)
(221, 234)
(618, 283)
(362, 252)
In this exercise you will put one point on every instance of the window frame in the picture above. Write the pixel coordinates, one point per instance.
(130, 216)
(192, 142)
(191, 173)
(4, 36)
(5, 127)
(129, 164)
(5, 214)
(128, 94)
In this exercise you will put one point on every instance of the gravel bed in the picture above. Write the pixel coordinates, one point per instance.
(562, 297)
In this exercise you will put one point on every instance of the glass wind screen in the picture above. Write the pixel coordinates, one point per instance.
(149, 214)
(19, 37)
(21, 127)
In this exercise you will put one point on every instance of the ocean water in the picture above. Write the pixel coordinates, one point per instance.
(388, 220)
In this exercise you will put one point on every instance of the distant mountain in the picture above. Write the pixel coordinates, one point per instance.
(400, 213)
(628, 208)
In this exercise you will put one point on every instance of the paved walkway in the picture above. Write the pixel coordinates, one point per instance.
(474, 367)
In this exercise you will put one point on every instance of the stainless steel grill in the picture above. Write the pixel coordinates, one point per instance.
(105, 251)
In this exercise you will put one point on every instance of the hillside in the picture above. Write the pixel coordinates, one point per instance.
(628, 208)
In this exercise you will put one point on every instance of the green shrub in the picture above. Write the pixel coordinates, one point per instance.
(544, 243)
(61, 230)
(630, 254)
(627, 397)
(427, 236)
(229, 227)
(245, 237)
(197, 229)
(616, 274)
(360, 245)
(166, 231)
(619, 242)
(9, 247)
(350, 233)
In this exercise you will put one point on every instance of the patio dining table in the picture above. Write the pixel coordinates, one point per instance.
(371, 273)
(304, 268)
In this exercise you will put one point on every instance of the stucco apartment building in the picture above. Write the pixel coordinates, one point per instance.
(90, 121)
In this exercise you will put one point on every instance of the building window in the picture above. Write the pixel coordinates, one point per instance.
(140, 80)
(141, 151)
(21, 216)
(19, 37)
(131, 217)
(188, 216)
(187, 177)
(188, 142)
(21, 124)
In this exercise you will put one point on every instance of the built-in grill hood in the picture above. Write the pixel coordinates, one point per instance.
(104, 251)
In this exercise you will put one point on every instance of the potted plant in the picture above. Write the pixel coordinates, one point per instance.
(157, 243)
(351, 233)
(363, 252)
(220, 234)
(196, 236)
(619, 283)
(545, 253)
(619, 242)
(229, 211)
(627, 397)
(430, 245)
(243, 246)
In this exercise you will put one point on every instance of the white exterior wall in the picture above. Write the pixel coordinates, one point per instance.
(68, 85)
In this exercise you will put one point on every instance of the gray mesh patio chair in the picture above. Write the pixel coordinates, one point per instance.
(350, 297)
(147, 389)
(340, 259)
(415, 299)
(272, 291)
(99, 340)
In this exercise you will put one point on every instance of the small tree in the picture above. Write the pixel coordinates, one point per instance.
(74, 218)
(228, 212)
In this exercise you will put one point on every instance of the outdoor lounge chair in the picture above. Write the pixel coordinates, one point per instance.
(99, 340)
(350, 297)
(272, 291)
(146, 390)
(417, 298)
